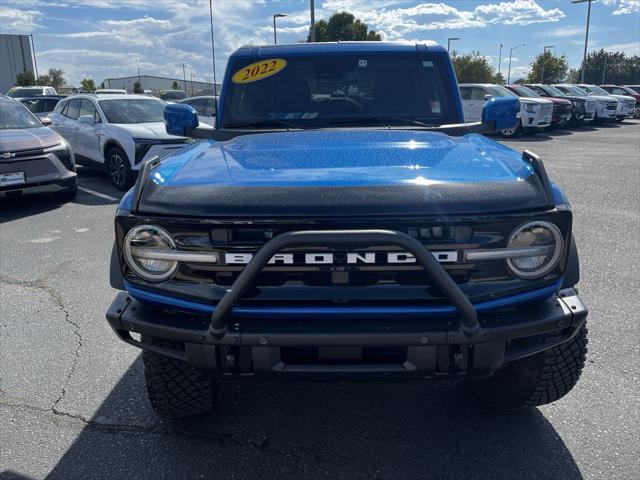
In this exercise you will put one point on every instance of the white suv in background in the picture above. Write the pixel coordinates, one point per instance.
(117, 132)
(606, 107)
(35, 91)
(626, 103)
(535, 113)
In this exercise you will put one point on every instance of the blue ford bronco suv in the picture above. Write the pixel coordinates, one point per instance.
(342, 221)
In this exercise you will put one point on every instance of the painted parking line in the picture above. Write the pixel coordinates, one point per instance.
(97, 194)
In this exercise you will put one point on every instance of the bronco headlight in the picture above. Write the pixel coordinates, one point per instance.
(544, 235)
(531, 107)
(143, 248)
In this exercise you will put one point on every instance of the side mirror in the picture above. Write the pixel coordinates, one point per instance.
(44, 120)
(488, 97)
(500, 113)
(179, 118)
(86, 119)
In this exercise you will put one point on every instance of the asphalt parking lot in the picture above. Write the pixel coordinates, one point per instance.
(73, 404)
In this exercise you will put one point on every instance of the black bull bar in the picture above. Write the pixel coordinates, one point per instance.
(468, 317)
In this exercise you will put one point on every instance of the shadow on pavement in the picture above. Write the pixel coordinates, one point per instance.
(317, 430)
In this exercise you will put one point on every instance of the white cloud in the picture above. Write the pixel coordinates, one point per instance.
(18, 21)
(513, 59)
(629, 49)
(623, 7)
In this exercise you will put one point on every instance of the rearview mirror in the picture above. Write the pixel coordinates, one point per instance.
(179, 118)
(500, 113)
(44, 120)
(86, 119)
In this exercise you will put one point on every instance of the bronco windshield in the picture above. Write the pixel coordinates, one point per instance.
(322, 90)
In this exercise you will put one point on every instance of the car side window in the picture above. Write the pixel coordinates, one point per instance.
(48, 105)
(478, 93)
(465, 93)
(32, 104)
(73, 109)
(619, 91)
(88, 108)
(538, 90)
(200, 105)
(210, 110)
(60, 107)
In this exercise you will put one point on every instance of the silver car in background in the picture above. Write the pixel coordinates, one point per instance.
(33, 158)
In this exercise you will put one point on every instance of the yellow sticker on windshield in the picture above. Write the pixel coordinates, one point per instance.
(259, 70)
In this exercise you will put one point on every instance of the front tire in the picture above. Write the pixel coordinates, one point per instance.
(512, 132)
(537, 380)
(175, 388)
(119, 169)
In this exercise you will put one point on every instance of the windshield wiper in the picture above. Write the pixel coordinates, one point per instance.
(382, 119)
(265, 123)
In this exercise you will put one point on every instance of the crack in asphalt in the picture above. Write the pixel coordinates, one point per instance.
(57, 298)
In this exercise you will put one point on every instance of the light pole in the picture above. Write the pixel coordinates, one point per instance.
(313, 21)
(191, 77)
(500, 58)
(449, 41)
(586, 36)
(511, 55)
(544, 57)
(276, 15)
(184, 76)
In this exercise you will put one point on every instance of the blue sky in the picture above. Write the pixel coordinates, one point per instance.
(110, 38)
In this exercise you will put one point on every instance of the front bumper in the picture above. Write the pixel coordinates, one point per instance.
(421, 347)
(43, 173)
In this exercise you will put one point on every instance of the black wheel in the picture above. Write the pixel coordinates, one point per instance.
(119, 169)
(68, 194)
(512, 132)
(535, 380)
(175, 389)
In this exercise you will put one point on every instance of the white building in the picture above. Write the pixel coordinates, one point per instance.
(155, 84)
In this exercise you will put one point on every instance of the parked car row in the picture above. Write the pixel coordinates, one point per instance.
(552, 106)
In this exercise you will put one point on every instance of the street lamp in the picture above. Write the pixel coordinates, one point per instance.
(184, 76)
(449, 41)
(586, 37)
(511, 55)
(213, 51)
(276, 15)
(544, 56)
(500, 59)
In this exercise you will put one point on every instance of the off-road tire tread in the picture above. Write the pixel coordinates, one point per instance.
(175, 389)
(556, 372)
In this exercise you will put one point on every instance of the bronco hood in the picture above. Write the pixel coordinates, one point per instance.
(342, 172)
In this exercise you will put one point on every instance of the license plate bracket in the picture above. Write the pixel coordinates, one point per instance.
(11, 179)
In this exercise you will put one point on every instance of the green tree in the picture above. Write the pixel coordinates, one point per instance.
(174, 86)
(137, 87)
(53, 78)
(473, 68)
(102, 85)
(343, 26)
(25, 79)
(88, 85)
(554, 67)
(574, 75)
(610, 67)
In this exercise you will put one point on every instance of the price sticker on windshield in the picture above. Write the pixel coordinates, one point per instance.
(259, 70)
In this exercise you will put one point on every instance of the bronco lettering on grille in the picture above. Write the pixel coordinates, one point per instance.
(347, 258)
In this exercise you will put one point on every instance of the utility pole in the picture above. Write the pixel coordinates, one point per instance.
(191, 77)
(586, 36)
(500, 59)
(313, 21)
(511, 55)
(184, 76)
(544, 56)
(213, 51)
